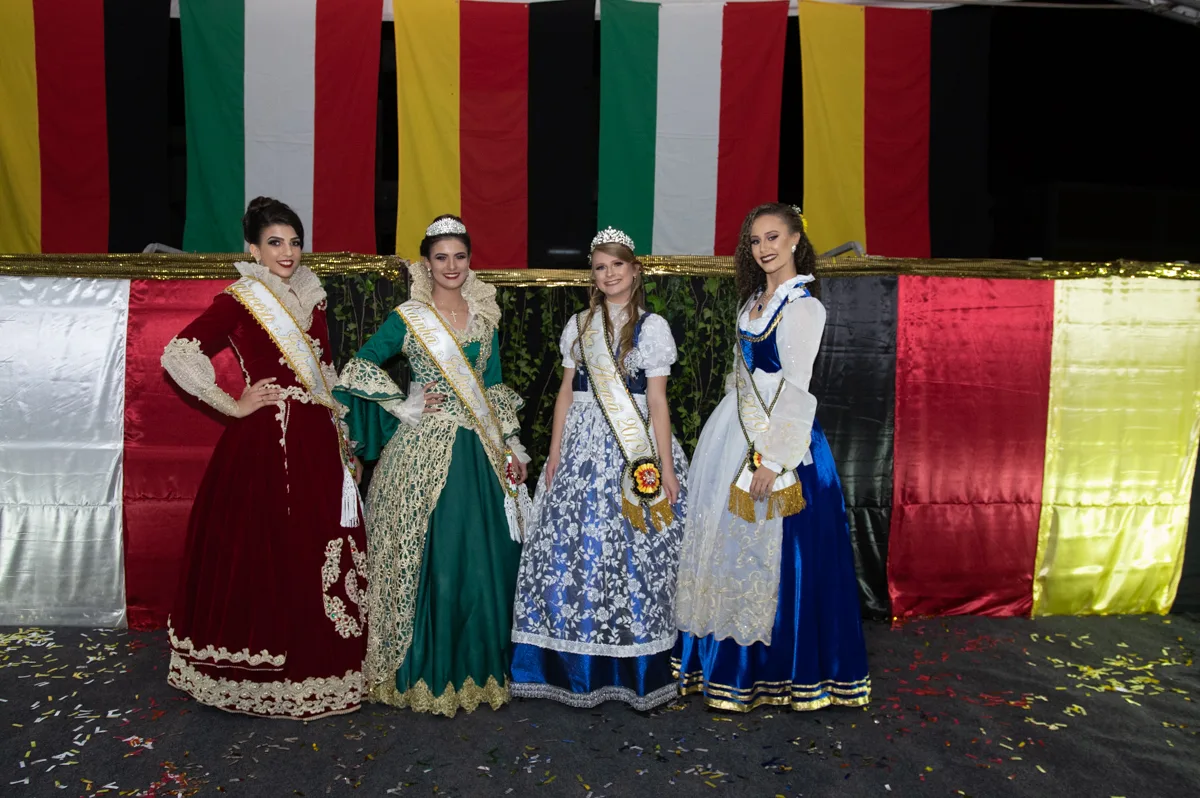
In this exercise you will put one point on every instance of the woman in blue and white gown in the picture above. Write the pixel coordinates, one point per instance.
(768, 601)
(594, 610)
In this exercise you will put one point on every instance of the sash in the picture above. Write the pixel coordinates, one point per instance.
(297, 350)
(431, 332)
(641, 480)
(754, 416)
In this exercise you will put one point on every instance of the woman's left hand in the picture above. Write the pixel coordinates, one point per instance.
(519, 471)
(671, 487)
(761, 483)
(357, 470)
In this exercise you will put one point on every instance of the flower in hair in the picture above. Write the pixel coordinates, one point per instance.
(803, 221)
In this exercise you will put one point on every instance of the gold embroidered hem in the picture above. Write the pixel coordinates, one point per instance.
(800, 698)
(186, 648)
(310, 699)
(419, 698)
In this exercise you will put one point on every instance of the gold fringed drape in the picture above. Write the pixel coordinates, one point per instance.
(217, 266)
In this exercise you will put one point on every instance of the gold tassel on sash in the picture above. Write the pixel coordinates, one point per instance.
(661, 514)
(635, 514)
(741, 504)
(782, 502)
(788, 501)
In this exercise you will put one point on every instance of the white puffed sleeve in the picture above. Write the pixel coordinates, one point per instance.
(798, 336)
(655, 351)
(566, 343)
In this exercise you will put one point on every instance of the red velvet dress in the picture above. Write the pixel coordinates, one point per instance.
(267, 620)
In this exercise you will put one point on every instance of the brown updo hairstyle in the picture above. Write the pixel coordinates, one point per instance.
(262, 212)
(428, 241)
(749, 275)
(637, 301)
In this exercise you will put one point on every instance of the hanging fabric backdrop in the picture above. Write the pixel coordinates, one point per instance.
(1007, 446)
(534, 121)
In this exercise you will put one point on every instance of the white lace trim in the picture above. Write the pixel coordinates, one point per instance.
(783, 293)
(186, 648)
(597, 697)
(309, 699)
(480, 298)
(192, 371)
(594, 649)
(300, 295)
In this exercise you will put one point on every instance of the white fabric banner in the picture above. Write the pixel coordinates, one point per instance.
(62, 409)
(688, 129)
(280, 104)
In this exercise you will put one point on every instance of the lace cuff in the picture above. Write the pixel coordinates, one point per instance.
(518, 449)
(507, 403)
(366, 380)
(193, 372)
(408, 410)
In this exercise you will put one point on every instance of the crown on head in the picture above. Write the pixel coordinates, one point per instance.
(446, 227)
(611, 235)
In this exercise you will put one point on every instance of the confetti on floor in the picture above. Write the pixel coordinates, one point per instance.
(961, 706)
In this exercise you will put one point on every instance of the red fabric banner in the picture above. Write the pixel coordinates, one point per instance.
(896, 131)
(753, 40)
(346, 96)
(494, 131)
(169, 437)
(72, 125)
(972, 391)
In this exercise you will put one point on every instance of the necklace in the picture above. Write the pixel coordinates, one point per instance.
(453, 314)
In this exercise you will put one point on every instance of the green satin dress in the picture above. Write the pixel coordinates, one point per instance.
(442, 565)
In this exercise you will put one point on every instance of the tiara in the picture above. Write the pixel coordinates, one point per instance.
(446, 227)
(611, 235)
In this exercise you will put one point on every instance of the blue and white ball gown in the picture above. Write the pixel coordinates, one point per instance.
(594, 611)
(768, 610)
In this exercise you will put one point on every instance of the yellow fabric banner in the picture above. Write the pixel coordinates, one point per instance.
(1122, 432)
(832, 57)
(20, 154)
(427, 86)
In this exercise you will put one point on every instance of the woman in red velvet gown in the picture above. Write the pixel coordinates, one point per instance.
(267, 619)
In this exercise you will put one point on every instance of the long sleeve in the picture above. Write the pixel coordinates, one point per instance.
(187, 357)
(504, 399)
(375, 404)
(786, 440)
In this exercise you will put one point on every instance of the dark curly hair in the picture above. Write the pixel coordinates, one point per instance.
(262, 212)
(750, 277)
(428, 241)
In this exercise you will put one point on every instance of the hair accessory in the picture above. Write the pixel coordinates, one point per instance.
(803, 221)
(446, 227)
(611, 235)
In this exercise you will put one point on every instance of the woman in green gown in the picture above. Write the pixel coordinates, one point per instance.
(444, 505)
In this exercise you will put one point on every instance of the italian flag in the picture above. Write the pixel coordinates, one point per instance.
(281, 101)
(689, 120)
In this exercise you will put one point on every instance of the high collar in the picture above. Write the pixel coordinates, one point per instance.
(299, 295)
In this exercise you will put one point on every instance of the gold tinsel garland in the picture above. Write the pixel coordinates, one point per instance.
(220, 266)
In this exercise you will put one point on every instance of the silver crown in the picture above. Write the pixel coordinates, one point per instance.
(611, 235)
(446, 227)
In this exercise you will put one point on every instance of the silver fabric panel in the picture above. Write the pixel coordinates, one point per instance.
(62, 406)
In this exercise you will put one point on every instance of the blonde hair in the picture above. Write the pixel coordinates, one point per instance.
(637, 301)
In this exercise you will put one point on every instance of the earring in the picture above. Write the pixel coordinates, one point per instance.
(793, 249)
